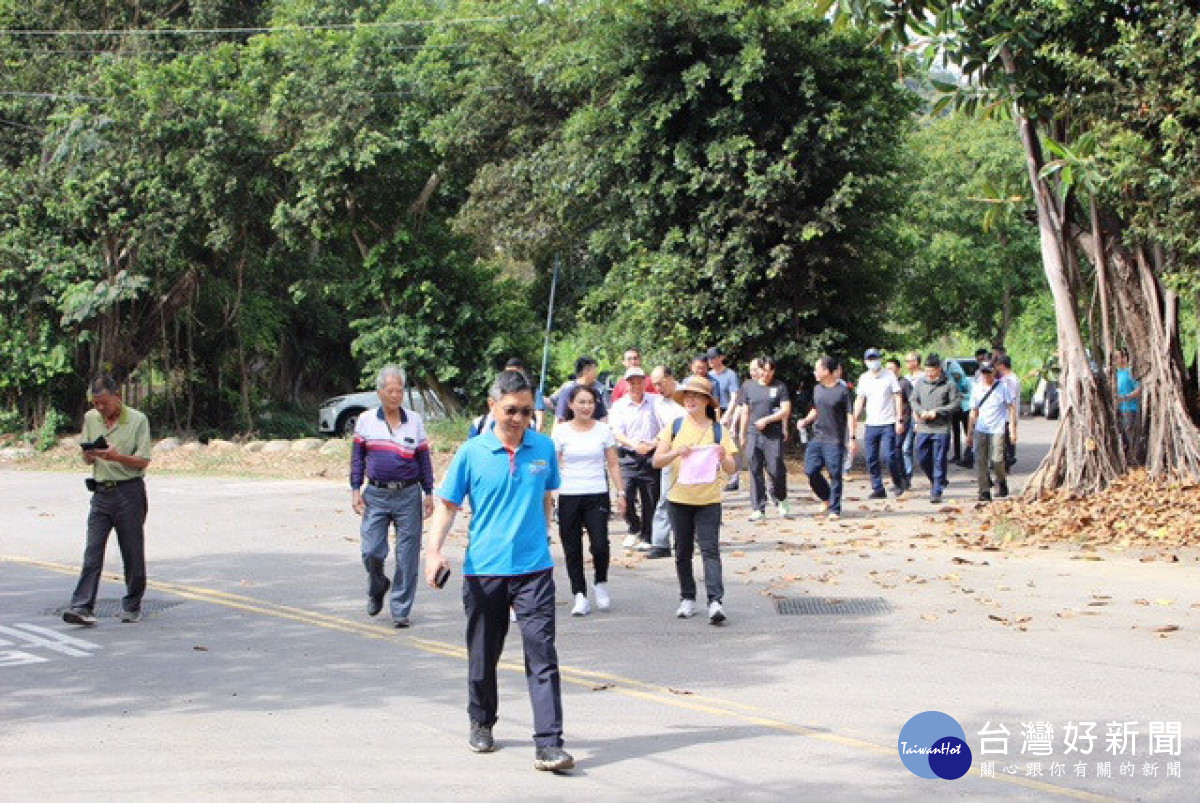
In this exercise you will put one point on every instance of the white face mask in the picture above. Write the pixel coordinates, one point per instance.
(874, 365)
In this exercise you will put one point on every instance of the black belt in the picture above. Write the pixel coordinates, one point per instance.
(110, 485)
(393, 486)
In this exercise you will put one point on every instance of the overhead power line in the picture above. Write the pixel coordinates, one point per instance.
(49, 96)
(348, 26)
(38, 51)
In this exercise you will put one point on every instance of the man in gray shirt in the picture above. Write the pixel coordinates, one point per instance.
(934, 399)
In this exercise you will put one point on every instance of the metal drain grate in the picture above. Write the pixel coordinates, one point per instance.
(845, 606)
(112, 607)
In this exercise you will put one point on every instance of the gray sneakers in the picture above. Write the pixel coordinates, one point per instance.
(129, 617)
(552, 759)
(481, 740)
(79, 616)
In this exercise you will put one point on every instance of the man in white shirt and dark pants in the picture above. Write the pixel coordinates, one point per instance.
(880, 396)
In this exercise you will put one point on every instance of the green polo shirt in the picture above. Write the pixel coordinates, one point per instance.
(130, 435)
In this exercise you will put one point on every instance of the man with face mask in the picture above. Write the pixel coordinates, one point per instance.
(880, 396)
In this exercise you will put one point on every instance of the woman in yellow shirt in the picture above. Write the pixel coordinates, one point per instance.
(700, 454)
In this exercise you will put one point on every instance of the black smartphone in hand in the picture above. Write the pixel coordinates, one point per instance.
(91, 446)
(439, 579)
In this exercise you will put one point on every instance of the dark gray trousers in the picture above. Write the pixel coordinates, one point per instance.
(766, 453)
(124, 509)
(487, 601)
(698, 525)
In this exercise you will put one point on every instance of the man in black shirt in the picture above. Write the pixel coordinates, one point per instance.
(831, 417)
(768, 407)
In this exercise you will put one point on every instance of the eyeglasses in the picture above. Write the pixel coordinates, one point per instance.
(524, 412)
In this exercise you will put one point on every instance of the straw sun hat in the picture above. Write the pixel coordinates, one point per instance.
(695, 384)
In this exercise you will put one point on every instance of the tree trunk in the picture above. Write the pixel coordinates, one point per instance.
(1086, 454)
(1148, 316)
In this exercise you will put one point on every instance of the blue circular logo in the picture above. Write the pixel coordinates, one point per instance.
(933, 745)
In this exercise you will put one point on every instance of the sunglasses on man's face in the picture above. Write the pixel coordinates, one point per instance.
(523, 412)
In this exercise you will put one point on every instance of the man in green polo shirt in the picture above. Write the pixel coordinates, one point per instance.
(116, 441)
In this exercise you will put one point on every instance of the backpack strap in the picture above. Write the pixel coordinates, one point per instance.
(677, 424)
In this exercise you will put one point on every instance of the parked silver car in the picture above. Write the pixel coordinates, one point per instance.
(338, 415)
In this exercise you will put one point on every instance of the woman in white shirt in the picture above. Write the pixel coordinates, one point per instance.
(586, 448)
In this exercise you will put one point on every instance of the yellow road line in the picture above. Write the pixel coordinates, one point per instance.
(619, 684)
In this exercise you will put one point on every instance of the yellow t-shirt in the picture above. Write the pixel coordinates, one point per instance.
(692, 435)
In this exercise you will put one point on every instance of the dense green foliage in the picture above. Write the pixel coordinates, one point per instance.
(974, 258)
(234, 221)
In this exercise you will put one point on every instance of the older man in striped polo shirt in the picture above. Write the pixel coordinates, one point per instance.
(391, 455)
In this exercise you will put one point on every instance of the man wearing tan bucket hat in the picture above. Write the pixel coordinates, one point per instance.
(701, 454)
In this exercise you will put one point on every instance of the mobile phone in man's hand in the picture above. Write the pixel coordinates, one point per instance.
(439, 579)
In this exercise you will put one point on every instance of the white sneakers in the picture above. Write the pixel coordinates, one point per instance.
(630, 541)
(687, 609)
(785, 509)
(582, 606)
(603, 601)
(757, 516)
(716, 614)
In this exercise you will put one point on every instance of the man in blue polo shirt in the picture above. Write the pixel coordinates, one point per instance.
(508, 473)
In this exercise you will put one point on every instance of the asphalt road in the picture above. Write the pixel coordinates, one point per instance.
(256, 674)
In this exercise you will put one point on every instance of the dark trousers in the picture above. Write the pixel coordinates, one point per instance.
(933, 450)
(575, 513)
(122, 509)
(698, 525)
(766, 453)
(830, 457)
(486, 601)
(881, 451)
(639, 480)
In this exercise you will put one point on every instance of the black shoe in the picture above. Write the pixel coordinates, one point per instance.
(401, 622)
(935, 500)
(481, 740)
(79, 616)
(552, 759)
(985, 496)
(659, 552)
(375, 601)
(898, 490)
(880, 494)
(1002, 490)
(732, 485)
(129, 617)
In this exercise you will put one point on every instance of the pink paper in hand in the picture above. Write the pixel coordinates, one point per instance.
(699, 466)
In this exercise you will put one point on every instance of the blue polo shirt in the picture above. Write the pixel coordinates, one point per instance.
(508, 534)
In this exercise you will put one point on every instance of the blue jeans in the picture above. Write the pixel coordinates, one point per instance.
(907, 450)
(830, 457)
(881, 451)
(401, 507)
(933, 450)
